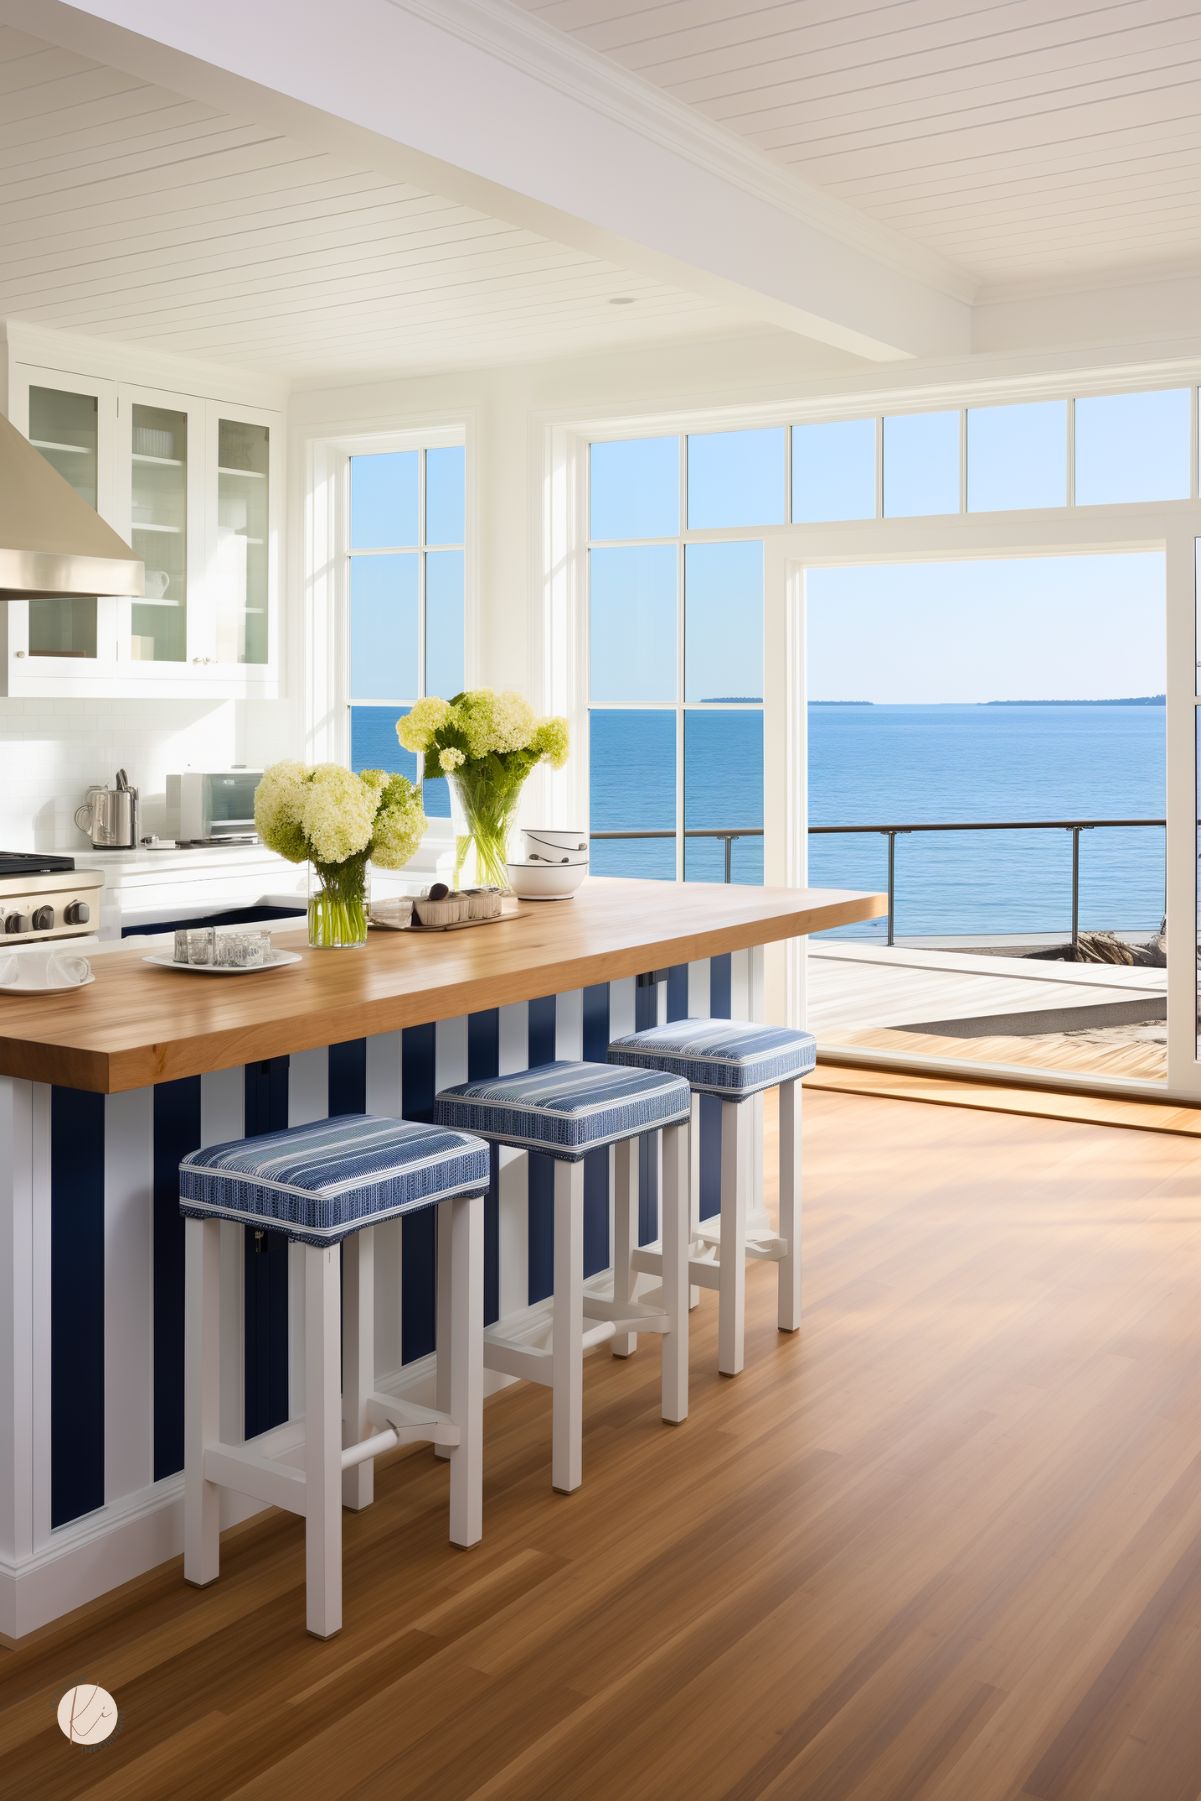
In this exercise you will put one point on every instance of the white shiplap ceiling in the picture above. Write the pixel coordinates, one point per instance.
(1028, 141)
(133, 213)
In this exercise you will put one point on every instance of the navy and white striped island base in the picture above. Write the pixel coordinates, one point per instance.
(104, 1089)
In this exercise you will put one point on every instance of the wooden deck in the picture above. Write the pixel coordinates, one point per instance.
(869, 998)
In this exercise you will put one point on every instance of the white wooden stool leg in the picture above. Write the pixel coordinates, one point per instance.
(322, 1442)
(358, 1361)
(731, 1293)
(790, 1205)
(567, 1368)
(442, 1315)
(694, 1185)
(202, 1398)
(466, 1247)
(675, 1213)
(625, 1233)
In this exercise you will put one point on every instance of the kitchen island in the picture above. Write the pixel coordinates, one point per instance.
(104, 1088)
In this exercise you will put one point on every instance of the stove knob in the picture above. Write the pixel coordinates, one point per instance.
(43, 919)
(77, 914)
(16, 922)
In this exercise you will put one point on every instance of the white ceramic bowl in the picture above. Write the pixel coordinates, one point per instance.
(545, 881)
(546, 844)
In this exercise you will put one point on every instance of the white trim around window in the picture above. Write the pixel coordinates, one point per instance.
(325, 561)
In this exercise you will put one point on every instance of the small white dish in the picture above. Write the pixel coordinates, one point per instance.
(545, 881)
(32, 987)
(547, 844)
(277, 960)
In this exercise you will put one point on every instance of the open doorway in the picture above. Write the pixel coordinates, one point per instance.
(986, 742)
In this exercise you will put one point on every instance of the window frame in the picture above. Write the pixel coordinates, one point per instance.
(326, 560)
(687, 537)
(561, 623)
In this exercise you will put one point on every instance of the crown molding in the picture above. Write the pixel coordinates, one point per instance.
(501, 30)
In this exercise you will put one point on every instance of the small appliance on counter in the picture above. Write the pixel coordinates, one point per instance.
(213, 806)
(109, 816)
(43, 897)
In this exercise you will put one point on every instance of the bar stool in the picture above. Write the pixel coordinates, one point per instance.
(320, 1184)
(734, 1060)
(566, 1110)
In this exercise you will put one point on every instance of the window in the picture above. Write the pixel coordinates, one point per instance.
(675, 636)
(1133, 447)
(921, 464)
(736, 478)
(406, 598)
(834, 470)
(1017, 456)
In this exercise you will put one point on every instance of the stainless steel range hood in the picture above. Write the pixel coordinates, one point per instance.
(52, 544)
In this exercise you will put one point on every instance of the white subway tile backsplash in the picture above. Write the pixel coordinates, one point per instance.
(52, 750)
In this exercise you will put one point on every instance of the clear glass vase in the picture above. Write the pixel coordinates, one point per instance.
(338, 904)
(484, 802)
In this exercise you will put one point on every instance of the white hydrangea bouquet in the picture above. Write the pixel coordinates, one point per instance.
(338, 822)
(487, 743)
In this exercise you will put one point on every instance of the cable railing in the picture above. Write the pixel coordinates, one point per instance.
(728, 836)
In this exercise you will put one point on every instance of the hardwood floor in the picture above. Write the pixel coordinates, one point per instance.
(942, 1545)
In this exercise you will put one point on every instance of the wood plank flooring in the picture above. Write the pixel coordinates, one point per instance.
(944, 1544)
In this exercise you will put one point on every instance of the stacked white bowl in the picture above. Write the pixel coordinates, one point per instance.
(553, 864)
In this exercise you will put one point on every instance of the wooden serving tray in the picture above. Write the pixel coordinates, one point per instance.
(454, 925)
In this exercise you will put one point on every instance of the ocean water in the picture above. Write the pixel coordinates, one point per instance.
(885, 764)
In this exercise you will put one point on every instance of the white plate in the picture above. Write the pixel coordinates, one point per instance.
(43, 987)
(164, 960)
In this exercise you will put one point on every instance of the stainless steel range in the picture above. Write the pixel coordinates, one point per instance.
(47, 897)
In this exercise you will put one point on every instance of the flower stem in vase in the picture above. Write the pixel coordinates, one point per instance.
(486, 796)
(338, 904)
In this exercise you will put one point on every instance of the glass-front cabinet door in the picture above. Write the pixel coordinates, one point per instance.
(160, 475)
(70, 420)
(159, 530)
(240, 578)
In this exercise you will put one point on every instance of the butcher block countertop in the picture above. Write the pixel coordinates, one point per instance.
(136, 1025)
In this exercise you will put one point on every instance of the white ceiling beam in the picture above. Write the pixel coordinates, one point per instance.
(472, 100)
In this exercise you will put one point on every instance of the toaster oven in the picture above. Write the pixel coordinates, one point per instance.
(213, 806)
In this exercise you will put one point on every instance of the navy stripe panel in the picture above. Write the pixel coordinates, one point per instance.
(266, 1268)
(76, 1304)
(348, 1077)
(646, 1014)
(540, 1048)
(483, 1060)
(596, 1163)
(720, 980)
(419, 1236)
(677, 992)
(176, 1126)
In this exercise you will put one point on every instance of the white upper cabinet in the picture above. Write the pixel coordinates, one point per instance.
(195, 485)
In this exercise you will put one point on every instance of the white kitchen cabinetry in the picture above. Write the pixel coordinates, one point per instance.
(195, 484)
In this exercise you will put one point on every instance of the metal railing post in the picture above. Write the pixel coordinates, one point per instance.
(729, 849)
(892, 887)
(1076, 831)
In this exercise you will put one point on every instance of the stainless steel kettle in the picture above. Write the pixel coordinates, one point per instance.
(109, 816)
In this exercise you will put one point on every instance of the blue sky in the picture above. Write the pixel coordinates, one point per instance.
(1021, 628)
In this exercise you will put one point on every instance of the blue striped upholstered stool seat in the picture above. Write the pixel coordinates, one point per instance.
(322, 1184)
(735, 1060)
(565, 1110)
